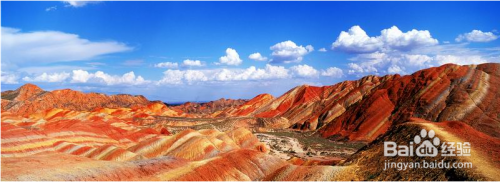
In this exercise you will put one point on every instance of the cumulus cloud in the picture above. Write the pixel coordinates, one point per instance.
(269, 72)
(169, 65)
(54, 77)
(367, 63)
(81, 76)
(394, 69)
(289, 52)
(194, 75)
(387, 63)
(257, 57)
(9, 78)
(397, 52)
(175, 77)
(460, 60)
(231, 58)
(180, 76)
(357, 41)
(304, 71)
(477, 36)
(52, 46)
(322, 50)
(333, 72)
(172, 77)
(192, 63)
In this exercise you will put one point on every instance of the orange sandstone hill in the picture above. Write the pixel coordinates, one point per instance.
(109, 144)
(30, 98)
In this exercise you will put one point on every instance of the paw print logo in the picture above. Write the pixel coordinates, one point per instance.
(427, 148)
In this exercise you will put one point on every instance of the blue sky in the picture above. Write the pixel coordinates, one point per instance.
(199, 51)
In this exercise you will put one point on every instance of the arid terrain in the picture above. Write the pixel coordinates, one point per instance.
(332, 132)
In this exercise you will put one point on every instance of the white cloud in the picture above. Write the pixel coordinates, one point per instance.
(54, 77)
(460, 60)
(394, 38)
(52, 46)
(172, 77)
(333, 72)
(394, 69)
(231, 58)
(78, 4)
(357, 41)
(176, 77)
(304, 71)
(368, 63)
(322, 50)
(81, 76)
(289, 52)
(9, 78)
(389, 63)
(194, 75)
(477, 36)
(257, 57)
(417, 60)
(397, 52)
(169, 65)
(188, 63)
(53, 8)
(269, 72)
(224, 75)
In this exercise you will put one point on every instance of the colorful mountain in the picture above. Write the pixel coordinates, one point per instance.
(30, 98)
(70, 135)
(363, 109)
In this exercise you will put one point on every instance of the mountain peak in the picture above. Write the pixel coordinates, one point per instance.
(26, 91)
(29, 87)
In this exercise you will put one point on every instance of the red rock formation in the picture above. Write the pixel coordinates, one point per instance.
(251, 106)
(450, 92)
(29, 99)
(364, 109)
(76, 145)
(309, 107)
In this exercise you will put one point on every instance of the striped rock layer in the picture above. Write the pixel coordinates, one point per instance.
(363, 109)
(72, 145)
(30, 99)
(369, 162)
